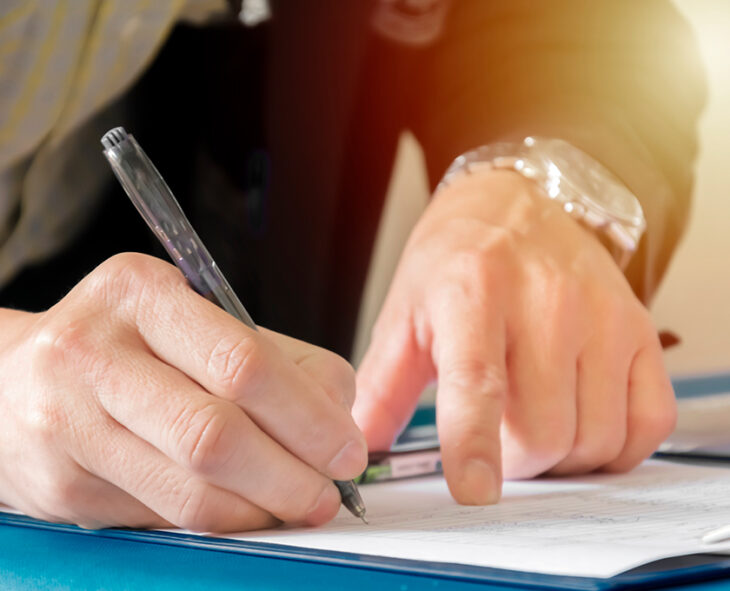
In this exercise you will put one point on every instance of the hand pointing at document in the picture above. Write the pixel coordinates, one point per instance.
(545, 359)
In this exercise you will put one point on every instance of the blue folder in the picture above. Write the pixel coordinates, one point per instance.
(182, 558)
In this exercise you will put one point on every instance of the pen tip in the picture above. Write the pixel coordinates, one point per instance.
(365, 521)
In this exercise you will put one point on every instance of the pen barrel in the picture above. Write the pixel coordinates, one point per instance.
(158, 207)
(222, 294)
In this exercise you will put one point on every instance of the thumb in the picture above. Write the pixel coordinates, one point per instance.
(391, 377)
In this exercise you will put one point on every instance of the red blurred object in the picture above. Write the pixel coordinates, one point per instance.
(668, 339)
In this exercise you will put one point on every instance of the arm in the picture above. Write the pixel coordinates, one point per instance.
(546, 358)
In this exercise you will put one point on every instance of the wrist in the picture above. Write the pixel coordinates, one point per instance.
(505, 200)
(580, 185)
(498, 197)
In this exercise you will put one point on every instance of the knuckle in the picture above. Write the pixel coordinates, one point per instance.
(548, 445)
(616, 309)
(595, 452)
(566, 292)
(551, 448)
(70, 344)
(127, 279)
(204, 443)
(659, 424)
(56, 353)
(134, 266)
(340, 377)
(562, 305)
(499, 244)
(469, 374)
(471, 265)
(622, 323)
(292, 503)
(62, 495)
(197, 509)
(341, 372)
(45, 420)
(486, 240)
(620, 311)
(236, 365)
(117, 276)
(479, 270)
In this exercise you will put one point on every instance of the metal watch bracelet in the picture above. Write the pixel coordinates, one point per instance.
(583, 187)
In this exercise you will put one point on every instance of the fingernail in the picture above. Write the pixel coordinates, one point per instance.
(479, 485)
(325, 507)
(349, 462)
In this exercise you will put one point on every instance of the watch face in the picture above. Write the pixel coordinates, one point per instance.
(590, 182)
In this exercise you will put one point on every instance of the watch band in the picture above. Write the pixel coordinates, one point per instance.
(582, 186)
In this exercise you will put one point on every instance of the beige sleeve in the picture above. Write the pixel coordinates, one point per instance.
(62, 62)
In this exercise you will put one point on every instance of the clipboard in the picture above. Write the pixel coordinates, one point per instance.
(667, 572)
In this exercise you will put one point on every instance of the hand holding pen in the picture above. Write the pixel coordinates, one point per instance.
(159, 208)
(135, 402)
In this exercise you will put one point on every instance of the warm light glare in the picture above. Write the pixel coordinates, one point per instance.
(711, 19)
(693, 299)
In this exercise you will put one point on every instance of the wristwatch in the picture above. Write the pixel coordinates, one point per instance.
(584, 188)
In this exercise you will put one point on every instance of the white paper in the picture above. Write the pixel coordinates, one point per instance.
(593, 526)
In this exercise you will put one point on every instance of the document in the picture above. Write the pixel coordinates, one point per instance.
(593, 526)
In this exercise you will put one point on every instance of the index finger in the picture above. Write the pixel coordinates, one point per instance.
(470, 349)
(330, 371)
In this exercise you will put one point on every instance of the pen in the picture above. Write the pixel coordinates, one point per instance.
(157, 205)
(721, 534)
